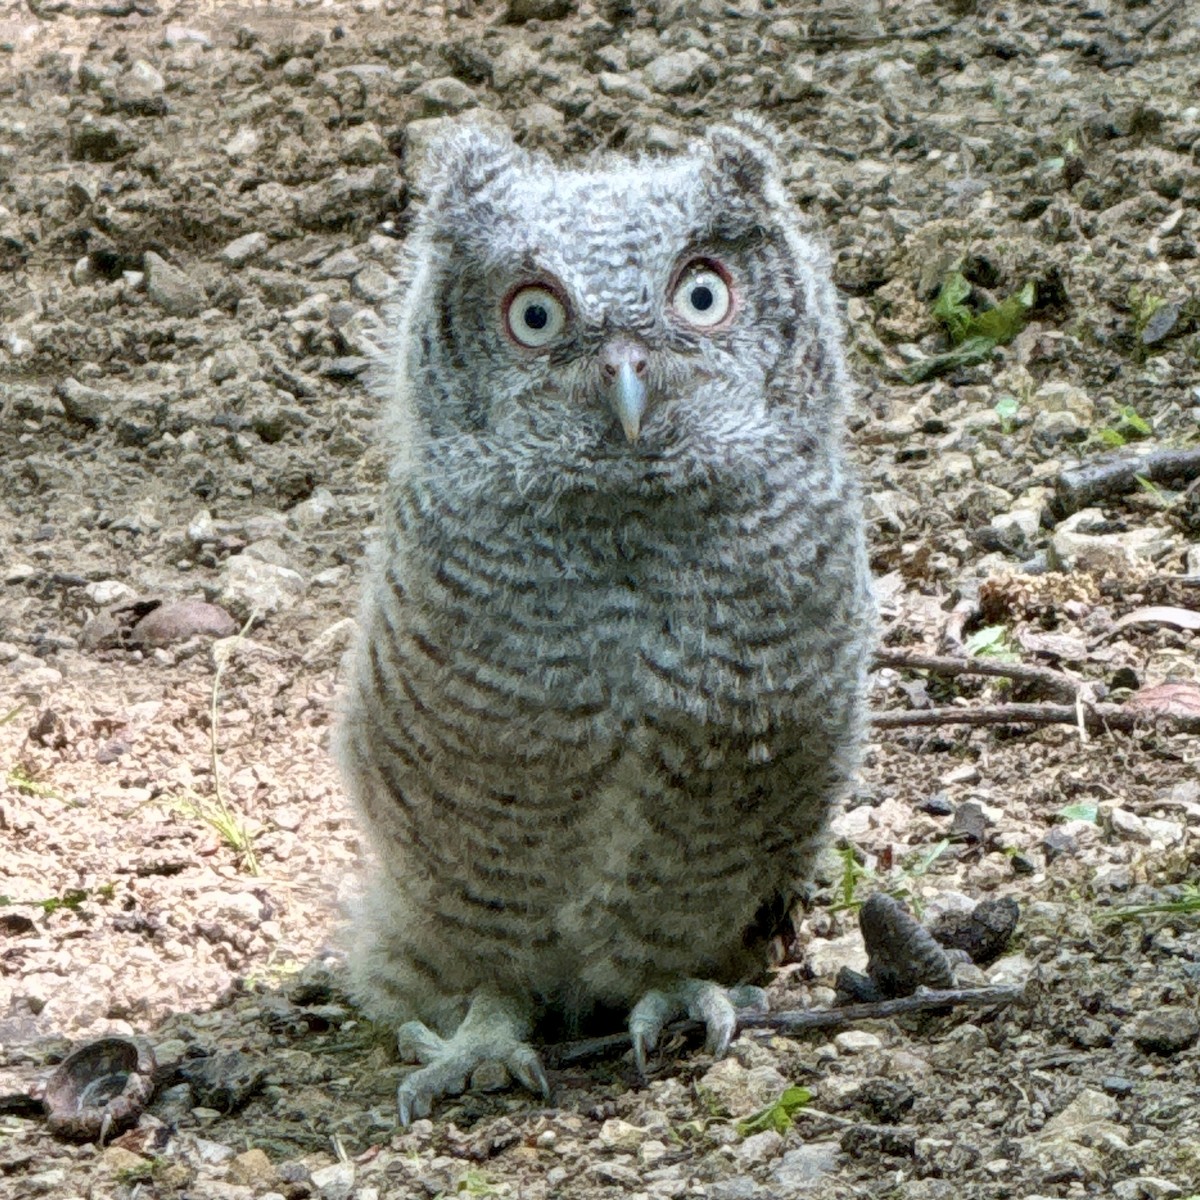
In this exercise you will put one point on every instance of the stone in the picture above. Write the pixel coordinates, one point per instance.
(857, 1041)
(252, 1168)
(445, 95)
(674, 74)
(173, 290)
(249, 585)
(242, 250)
(140, 90)
(82, 404)
(759, 1148)
(1165, 1031)
(170, 623)
(517, 12)
(802, 1168)
(740, 1091)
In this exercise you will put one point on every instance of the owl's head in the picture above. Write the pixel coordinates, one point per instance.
(627, 311)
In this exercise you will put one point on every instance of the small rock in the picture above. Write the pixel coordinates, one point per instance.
(244, 144)
(82, 404)
(140, 90)
(801, 1168)
(99, 139)
(674, 74)
(177, 622)
(252, 1167)
(175, 36)
(857, 1041)
(971, 822)
(1162, 322)
(741, 1091)
(250, 585)
(520, 11)
(298, 71)
(242, 250)
(759, 1148)
(445, 95)
(896, 1141)
(334, 1182)
(108, 591)
(1012, 968)
(1167, 1030)
(616, 1134)
(171, 289)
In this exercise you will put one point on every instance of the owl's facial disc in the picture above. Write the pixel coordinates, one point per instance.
(623, 365)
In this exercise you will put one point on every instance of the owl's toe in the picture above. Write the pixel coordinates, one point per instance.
(716, 1006)
(494, 1031)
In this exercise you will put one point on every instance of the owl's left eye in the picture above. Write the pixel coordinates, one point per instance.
(702, 296)
(535, 316)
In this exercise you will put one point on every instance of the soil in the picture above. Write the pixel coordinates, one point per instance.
(200, 208)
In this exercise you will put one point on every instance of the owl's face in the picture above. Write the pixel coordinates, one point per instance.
(628, 313)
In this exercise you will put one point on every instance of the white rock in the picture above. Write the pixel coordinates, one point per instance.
(108, 591)
(242, 250)
(334, 1182)
(857, 1041)
(677, 72)
(249, 585)
(801, 1168)
(759, 1148)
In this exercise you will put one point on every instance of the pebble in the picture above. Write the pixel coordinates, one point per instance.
(518, 12)
(759, 1148)
(252, 1168)
(184, 619)
(140, 90)
(242, 250)
(445, 95)
(250, 585)
(801, 1168)
(82, 404)
(857, 1041)
(108, 591)
(674, 74)
(173, 290)
(1165, 1031)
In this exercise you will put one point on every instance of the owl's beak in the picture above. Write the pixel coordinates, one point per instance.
(623, 366)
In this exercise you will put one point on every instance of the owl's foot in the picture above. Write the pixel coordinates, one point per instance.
(494, 1030)
(699, 999)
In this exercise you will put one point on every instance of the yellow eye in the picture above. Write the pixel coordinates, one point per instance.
(535, 316)
(702, 297)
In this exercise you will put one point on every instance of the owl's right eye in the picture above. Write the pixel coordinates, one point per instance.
(535, 316)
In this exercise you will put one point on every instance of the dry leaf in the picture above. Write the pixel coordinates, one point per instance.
(1177, 699)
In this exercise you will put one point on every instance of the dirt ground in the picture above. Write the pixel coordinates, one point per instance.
(200, 206)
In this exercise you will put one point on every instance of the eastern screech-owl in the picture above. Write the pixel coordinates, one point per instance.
(611, 675)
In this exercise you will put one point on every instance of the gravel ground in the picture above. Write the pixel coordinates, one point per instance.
(200, 207)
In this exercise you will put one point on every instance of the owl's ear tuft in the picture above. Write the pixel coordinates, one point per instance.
(453, 160)
(745, 150)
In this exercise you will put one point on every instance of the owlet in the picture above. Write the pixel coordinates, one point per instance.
(613, 655)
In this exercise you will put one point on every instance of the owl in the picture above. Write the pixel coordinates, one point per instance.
(610, 679)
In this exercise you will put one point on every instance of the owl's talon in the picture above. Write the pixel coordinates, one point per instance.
(417, 1042)
(716, 1006)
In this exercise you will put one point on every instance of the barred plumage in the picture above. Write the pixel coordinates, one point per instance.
(613, 653)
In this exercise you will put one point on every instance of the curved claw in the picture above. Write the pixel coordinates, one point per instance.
(526, 1068)
(418, 1043)
(711, 1003)
(646, 1023)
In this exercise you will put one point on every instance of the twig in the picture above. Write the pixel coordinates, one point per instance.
(1118, 472)
(1060, 686)
(1096, 717)
(923, 1000)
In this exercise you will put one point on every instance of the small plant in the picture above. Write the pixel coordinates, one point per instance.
(973, 335)
(777, 1116)
(1128, 426)
(21, 778)
(1006, 408)
(992, 641)
(215, 811)
(1188, 902)
(897, 882)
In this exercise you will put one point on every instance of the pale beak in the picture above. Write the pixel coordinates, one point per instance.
(623, 364)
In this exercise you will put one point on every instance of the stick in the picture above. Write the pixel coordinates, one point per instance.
(1096, 717)
(1060, 686)
(1112, 474)
(922, 1000)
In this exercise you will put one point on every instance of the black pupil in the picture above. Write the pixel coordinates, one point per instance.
(536, 316)
(702, 297)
